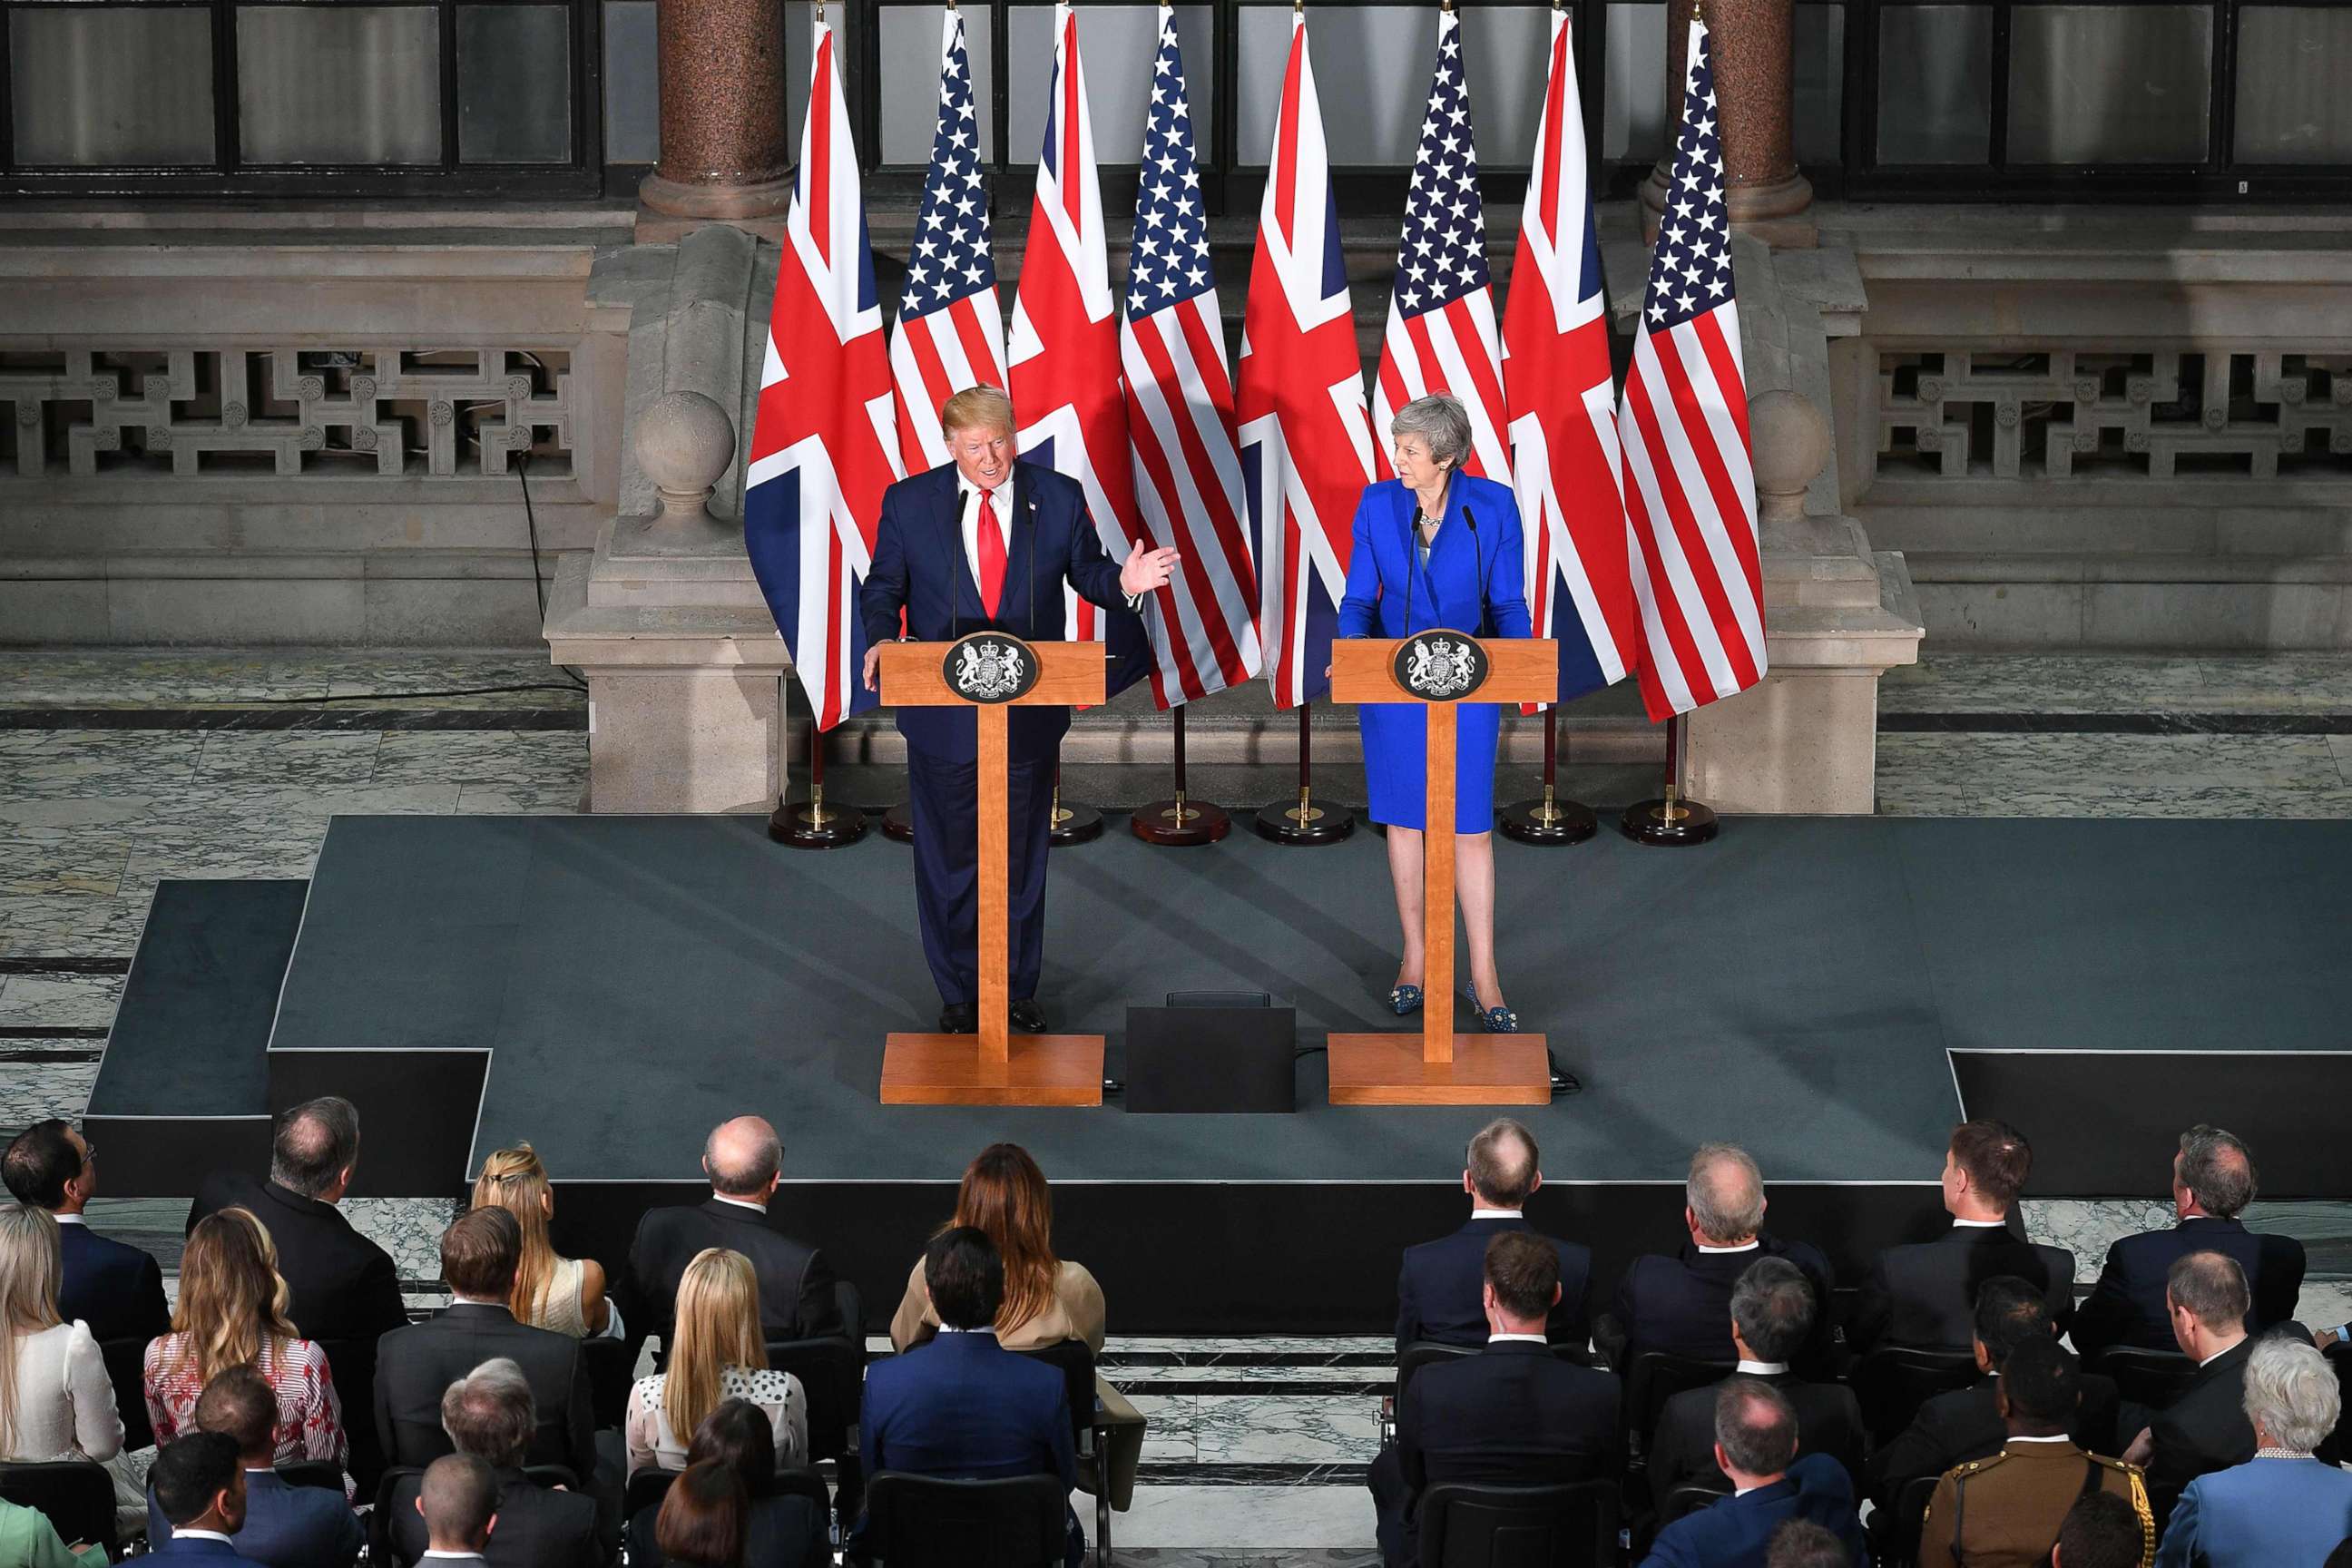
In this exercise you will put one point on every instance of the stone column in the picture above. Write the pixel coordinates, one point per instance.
(1755, 44)
(725, 148)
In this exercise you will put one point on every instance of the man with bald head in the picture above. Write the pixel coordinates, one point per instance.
(744, 1159)
(1441, 1287)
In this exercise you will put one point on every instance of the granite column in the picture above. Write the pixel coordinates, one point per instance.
(1754, 46)
(725, 148)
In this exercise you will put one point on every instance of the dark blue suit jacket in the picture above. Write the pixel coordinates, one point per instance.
(111, 1286)
(1737, 1531)
(2126, 1308)
(285, 1527)
(210, 1553)
(920, 568)
(1682, 1305)
(1440, 1288)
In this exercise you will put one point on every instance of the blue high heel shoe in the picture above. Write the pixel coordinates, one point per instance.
(1494, 1020)
(1404, 1000)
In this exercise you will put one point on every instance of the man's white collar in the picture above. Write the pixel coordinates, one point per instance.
(1751, 1244)
(754, 1206)
(1495, 1214)
(1516, 1339)
(68, 1219)
(182, 1533)
(2054, 1437)
(1762, 1368)
(1958, 1223)
(2218, 1354)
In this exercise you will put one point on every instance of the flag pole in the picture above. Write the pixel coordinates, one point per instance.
(811, 824)
(1549, 820)
(1670, 820)
(1180, 820)
(1303, 821)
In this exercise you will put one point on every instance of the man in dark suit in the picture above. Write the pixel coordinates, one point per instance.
(2205, 1428)
(1514, 1415)
(284, 1526)
(114, 1288)
(2213, 1178)
(489, 1415)
(985, 542)
(744, 1159)
(1441, 1286)
(1682, 1305)
(961, 1406)
(416, 1366)
(458, 1500)
(200, 1486)
(1756, 1446)
(1923, 1295)
(1773, 1313)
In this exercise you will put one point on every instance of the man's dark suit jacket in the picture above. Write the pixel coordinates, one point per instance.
(2126, 1307)
(2205, 1429)
(1513, 1415)
(1737, 1532)
(286, 1526)
(1682, 1450)
(1923, 1295)
(1440, 1288)
(209, 1553)
(1965, 1424)
(416, 1366)
(1682, 1305)
(796, 1299)
(111, 1285)
(919, 568)
(341, 1287)
(538, 1526)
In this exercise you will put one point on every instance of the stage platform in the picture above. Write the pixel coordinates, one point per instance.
(1834, 994)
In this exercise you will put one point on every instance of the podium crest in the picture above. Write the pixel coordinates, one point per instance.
(1441, 665)
(990, 666)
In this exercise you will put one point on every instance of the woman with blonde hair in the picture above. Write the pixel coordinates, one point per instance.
(54, 1400)
(563, 1294)
(232, 1313)
(715, 1353)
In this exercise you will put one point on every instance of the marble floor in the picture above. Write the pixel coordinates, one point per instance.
(121, 767)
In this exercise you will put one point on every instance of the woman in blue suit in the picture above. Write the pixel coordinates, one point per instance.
(1436, 547)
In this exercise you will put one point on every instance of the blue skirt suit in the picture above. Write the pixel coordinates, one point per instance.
(1384, 572)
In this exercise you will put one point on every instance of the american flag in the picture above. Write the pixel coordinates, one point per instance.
(1441, 334)
(1690, 494)
(1562, 398)
(1179, 410)
(950, 330)
(1307, 446)
(825, 445)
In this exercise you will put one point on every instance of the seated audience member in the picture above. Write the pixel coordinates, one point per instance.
(27, 1539)
(715, 1353)
(114, 1288)
(1513, 1415)
(1756, 1446)
(285, 1526)
(1772, 1311)
(54, 1400)
(2282, 1507)
(1682, 1305)
(2213, 1178)
(488, 1416)
(2205, 1427)
(1802, 1544)
(415, 1365)
(1441, 1283)
(780, 1531)
(962, 1406)
(458, 1500)
(564, 1295)
(703, 1519)
(745, 1161)
(1966, 1424)
(2103, 1531)
(199, 1484)
(232, 1313)
(1923, 1295)
(2005, 1511)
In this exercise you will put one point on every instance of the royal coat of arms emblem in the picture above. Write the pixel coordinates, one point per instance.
(1441, 667)
(990, 666)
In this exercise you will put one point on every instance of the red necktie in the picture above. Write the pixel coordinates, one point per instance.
(990, 536)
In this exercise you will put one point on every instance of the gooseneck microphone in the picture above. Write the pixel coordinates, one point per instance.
(1477, 552)
(956, 569)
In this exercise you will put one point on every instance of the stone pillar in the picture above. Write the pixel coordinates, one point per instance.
(1755, 44)
(725, 148)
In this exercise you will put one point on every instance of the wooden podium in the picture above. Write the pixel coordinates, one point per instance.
(991, 672)
(1437, 669)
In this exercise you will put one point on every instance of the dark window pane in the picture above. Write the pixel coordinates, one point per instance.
(514, 84)
(1819, 86)
(357, 84)
(1934, 84)
(910, 81)
(2292, 103)
(1117, 44)
(632, 88)
(1633, 84)
(2109, 84)
(101, 86)
(1371, 75)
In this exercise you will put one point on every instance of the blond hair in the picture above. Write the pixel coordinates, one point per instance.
(514, 1180)
(30, 1267)
(718, 1327)
(981, 407)
(232, 1297)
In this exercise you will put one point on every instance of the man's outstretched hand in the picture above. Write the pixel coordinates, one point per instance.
(873, 666)
(1145, 570)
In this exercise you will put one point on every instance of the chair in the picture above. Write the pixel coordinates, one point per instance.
(641, 1502)
(1898, 1540)
(379, 1520)
(925, 1521)
(1075, 1360)
(1893, 1382)
(1571, 1525)
(551, 1476)
(1653, 1378)
(324, 1474)
(77, 1495)
(126, 1369)
(2150, 1378)
(612, 1365)
(350, 1363)
(1689, 1499)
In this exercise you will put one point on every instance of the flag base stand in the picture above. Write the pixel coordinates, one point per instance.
(1071, 824)
(1486, 1069)
(1669, 822)
(899, 823)
(1181, 823)
(1550, 820)
(811, 824)
(1306, 820)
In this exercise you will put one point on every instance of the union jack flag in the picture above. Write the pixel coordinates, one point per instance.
(950, 330)
(825, 445)
(1562, 400)
(1179, 410)
(1441, 334)
(1307, 445)
(1690, 493)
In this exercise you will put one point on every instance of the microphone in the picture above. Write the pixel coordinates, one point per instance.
(955, 574)
(1477, 553)
(1412, 559)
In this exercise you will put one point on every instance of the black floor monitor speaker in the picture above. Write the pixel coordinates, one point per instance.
(1212, 1051)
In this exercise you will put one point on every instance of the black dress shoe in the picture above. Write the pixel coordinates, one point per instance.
(1027, 1018)
(960, 1018)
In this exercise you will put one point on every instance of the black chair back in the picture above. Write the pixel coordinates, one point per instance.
(379, 1523)
(1572, 1525)
(324, 1474)
(1075, 1360)
(1689, 1499)
(76, 1496)
(1891, 1383)
(1654, 1377)
(612, 1365)
(352, 1365)
(924, 1521)
(646, 1489)
(831, 1373)
(1422, 1354)
(642, 1507)
(1900, 1538)
(126, 1370)
(2150, 1378)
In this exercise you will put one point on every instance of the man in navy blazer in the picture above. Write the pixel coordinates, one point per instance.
(962, 1406)
(1442, 1286)
(114, 1288)
(199, 1484)
(1755, 1443)
(985, 542)
(284, 1526)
